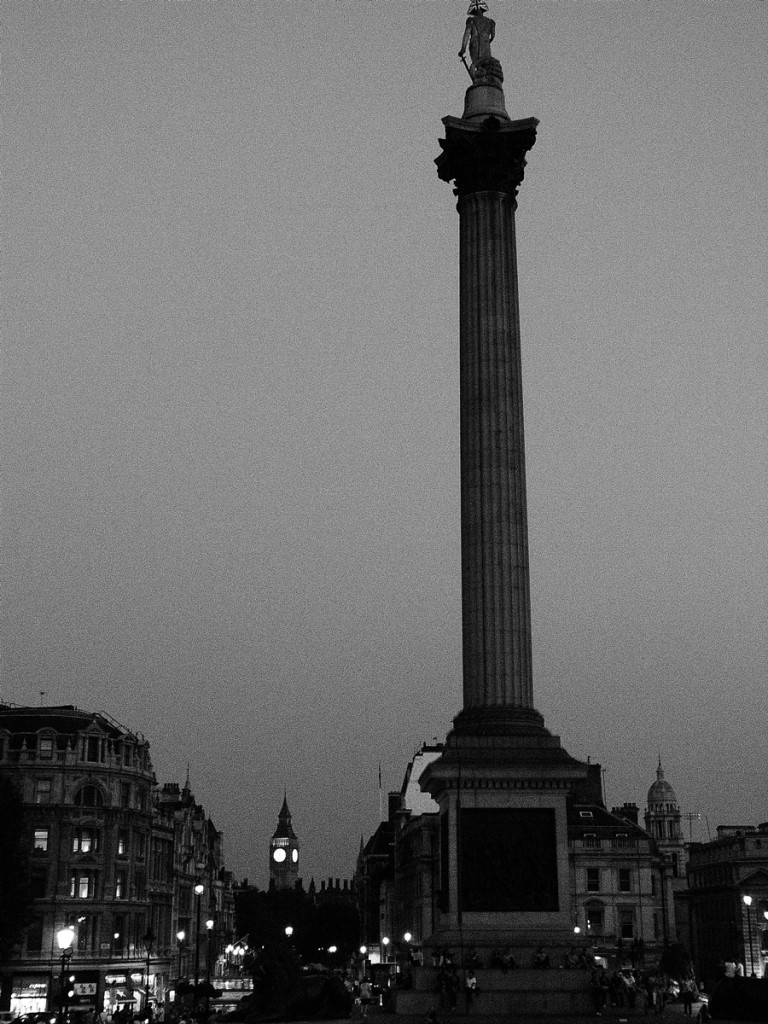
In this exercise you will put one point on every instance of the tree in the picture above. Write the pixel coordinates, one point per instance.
(15, 900)
(676, 962)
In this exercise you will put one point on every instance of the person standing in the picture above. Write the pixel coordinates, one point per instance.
(470, 988)
(366, 995)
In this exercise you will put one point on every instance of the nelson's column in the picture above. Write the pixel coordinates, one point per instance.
(503, 778)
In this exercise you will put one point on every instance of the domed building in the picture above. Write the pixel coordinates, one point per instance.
(662, 822)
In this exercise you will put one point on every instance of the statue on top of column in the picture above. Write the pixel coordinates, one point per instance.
(478, 36)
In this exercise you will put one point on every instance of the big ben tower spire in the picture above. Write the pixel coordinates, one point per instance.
(283, 852)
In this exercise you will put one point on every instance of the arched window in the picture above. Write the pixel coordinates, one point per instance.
(89, 796)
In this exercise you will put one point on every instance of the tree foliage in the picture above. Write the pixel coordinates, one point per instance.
(676, 961)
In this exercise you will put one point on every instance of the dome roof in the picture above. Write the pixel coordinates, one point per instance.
(661, 792)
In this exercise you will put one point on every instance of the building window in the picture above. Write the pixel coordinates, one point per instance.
(120, 893)
(86, 934)
(593, 879)
(141, 845)
(85, 841)
(126, 754)
(585, 814)
(122, 843)
(93, 748)
(595, 919)
(37, 880)
(653, 885)
(35, 935)
(89, 796)
(43, 791)
(125, 794)
(45, 748)
(82, 885)
(625, 880)
(41, 840)
(142, 799)
(626, 923)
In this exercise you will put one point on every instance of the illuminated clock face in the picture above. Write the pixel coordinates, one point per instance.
(279, 855)
(294, 856)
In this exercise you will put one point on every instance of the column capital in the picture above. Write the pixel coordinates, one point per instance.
(485, 157)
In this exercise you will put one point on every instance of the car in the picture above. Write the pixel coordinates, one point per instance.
(6, 1016)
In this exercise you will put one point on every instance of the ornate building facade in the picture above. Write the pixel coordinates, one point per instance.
(104, 854)
(728, 900)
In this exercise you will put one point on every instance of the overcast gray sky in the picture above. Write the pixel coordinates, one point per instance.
(230, 491)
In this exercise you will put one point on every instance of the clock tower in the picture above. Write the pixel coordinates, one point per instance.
(283, 852)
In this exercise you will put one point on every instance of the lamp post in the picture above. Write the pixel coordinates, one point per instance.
(149, 940)
(385, 944)
(180, 936)
(64, 939)
(199, 890)
(208, 950)
(747, 900)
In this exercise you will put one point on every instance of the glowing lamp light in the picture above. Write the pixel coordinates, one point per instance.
(407, 936)
(332, 949)
(289, 930)
(209, 924)
(181, 936)
(747, 901)
(199, 889)
(577, 930)
(363, 950)
(385, 941)
(65, 937)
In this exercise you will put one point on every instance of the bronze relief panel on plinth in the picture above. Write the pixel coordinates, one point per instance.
(508, 860)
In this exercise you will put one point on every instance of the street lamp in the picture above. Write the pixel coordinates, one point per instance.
(180, 936)
(748, 904)
(149, 941)
(64, 939)
(209, 928)
(385, 944)
(199, 890)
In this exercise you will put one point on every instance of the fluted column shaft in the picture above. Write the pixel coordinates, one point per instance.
(486, 160)
(494, 531)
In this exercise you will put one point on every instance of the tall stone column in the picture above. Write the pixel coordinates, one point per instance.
(486, 158)
(502, 780)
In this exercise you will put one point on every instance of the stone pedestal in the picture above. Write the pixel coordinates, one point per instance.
(518, 994)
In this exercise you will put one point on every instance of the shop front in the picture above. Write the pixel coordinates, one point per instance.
(30, 992)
